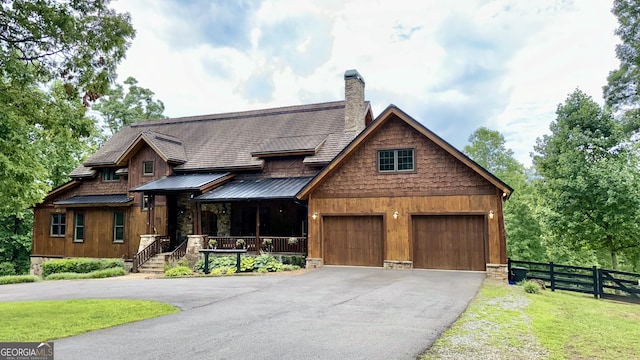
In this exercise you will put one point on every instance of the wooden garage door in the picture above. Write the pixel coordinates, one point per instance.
(353, 240)
(454, 242)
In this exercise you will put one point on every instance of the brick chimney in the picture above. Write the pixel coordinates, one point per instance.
(354, 109)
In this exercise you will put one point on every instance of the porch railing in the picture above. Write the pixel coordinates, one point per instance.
(178, 253)
(271, 244)
(147, 253)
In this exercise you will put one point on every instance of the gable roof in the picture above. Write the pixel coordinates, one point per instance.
(375, 125)
(222, 142)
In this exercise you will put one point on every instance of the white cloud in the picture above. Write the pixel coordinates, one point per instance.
(455, 66)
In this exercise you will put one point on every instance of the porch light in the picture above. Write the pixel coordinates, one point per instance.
(314, 216)
(490, 214)
(396, 214)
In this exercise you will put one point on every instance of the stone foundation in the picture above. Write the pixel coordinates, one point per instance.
(146, 240)
(313, 263)
(36, 264)
(398, 265)
(497, 272)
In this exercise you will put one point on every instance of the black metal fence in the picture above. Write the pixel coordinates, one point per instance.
(601, 283)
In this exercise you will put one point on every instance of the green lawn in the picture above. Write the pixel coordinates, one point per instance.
(504, 322)
(48, 320)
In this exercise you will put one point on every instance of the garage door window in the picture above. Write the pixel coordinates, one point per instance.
(395, 160)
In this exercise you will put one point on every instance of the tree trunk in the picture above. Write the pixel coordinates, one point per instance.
(614, 260)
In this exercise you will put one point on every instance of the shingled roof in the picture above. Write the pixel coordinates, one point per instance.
(222, 142)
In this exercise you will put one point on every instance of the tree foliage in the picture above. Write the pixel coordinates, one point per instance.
(487, 148)
(79, 42)
(590, 179)
(56, 56)
(119, 109)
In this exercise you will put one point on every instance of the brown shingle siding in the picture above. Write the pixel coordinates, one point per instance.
(436, 171)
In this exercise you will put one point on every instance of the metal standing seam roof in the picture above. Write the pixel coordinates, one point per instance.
(189, 182)
(256, 189)
(95, 199)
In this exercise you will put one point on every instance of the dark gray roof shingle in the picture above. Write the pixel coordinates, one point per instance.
(221, 142)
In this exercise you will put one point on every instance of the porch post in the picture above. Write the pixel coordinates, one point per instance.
(258, 228)
(197, 226)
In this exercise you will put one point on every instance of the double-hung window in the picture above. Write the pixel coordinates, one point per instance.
(147, 168)
(396, 160)
(58, 224)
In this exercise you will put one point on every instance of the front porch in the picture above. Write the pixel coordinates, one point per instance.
(281, 245)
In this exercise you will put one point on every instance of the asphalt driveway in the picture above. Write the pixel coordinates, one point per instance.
(329, 313)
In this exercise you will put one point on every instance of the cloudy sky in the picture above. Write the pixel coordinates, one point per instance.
(452, 65)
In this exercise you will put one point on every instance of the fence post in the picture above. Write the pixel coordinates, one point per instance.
(552, 277)
(509, 270)
(600, 283)
(595, 282)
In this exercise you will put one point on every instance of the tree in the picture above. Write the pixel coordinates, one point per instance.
(487, 148)
(119, 109)
(590, 179)
(79, 42)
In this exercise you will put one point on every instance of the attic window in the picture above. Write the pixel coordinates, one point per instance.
(109, 174)
(396, 160)
(147, 168)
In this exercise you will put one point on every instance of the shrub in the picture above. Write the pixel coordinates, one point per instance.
(79, 265)
(178, 271)
(247, 264)
(7, 268)
(17, 279)
(171, 264)
(289, 267)
(531, 287)
(98, 274)
(263, 270)
(268, 262)
(294, 260)
(216, 262)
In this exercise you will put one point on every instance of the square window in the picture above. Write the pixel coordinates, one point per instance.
(118, 226)
(147, 168)
(78, 227)
(58, 224)
(396, 160)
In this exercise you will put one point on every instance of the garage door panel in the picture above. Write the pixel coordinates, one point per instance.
(453, 242)
(353, 240)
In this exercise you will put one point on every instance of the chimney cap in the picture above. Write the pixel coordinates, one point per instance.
(353, 74)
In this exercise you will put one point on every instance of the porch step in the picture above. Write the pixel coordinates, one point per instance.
(155, 265)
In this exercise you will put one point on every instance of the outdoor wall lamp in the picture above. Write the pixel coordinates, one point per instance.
(396, 214)
(491, 214)
(314, 216)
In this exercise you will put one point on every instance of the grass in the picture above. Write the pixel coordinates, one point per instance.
(17, 279)
(504, 322)
(47, 320)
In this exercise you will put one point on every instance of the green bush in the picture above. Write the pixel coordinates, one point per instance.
(79, 265)
(289, 267)
(294, 260)
(247, 264)
(268, 262)
(216, 262)
(531, 287)
(263, 270)
(7, 268)
(17, 279)
(171, 264)
(98, 274)
(178, 271)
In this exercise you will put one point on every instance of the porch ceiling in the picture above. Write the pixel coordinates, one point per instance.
(190, 182)
(256, 189)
